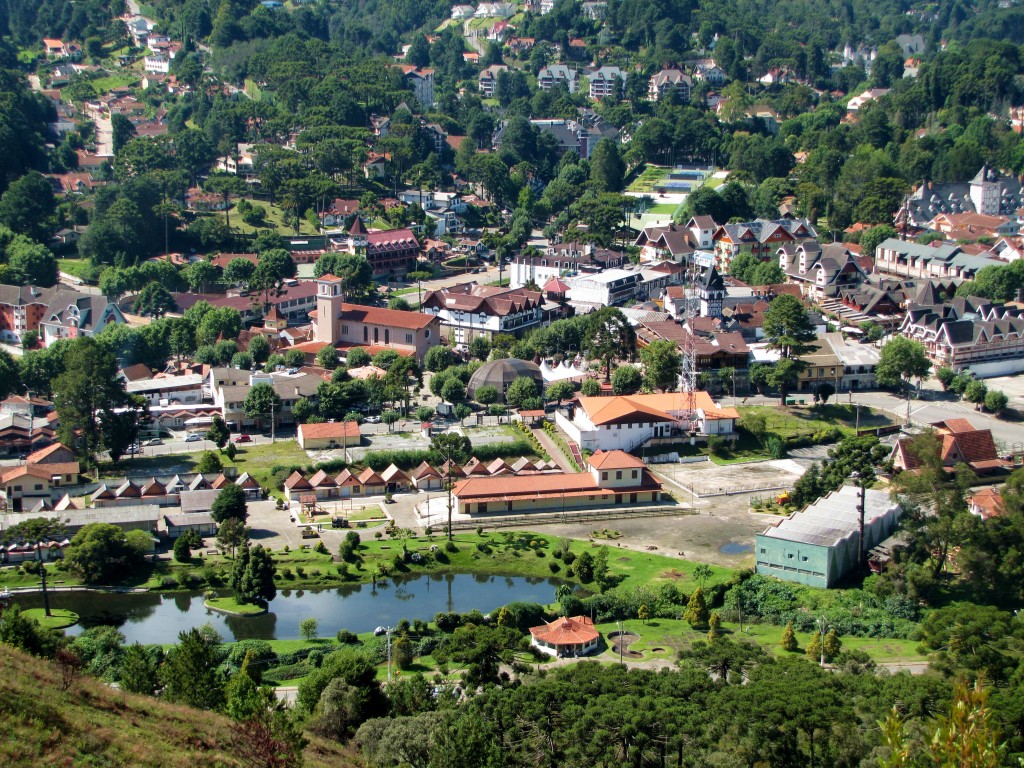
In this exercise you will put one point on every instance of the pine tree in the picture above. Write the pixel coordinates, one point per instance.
(697, 610)
(813, 649)
(788, 641)
(714, 627)
(833, 645)
(138, 670)
(404, 653)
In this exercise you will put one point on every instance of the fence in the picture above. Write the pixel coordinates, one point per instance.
(707, 491)
(550, 518)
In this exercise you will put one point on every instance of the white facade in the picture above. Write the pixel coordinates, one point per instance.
(186, 389)
(157, 63)
(613, 286)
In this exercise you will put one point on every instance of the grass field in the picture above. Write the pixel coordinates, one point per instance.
(794, 420)
(109, 83)
(663, 208)
(274, 218)
(77, 267)
(664, 638)
(59, 618)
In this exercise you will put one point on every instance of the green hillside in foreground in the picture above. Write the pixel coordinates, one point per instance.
(94, 725)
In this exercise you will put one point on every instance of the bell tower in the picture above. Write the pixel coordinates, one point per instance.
(357, 237)
(328, 308)
(711, 290)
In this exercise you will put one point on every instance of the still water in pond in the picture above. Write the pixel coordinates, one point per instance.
(153, 618)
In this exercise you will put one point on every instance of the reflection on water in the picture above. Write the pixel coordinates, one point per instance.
(152, 618)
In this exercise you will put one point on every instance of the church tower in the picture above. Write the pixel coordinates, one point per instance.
(357, 237)
(711, 291)
(328, 308)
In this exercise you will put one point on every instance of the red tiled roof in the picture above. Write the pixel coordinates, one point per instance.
(615, 460)
(396, 318)
(578, 630)
(338, 429)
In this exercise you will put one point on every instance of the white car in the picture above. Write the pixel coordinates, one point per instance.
(372, 419)
(193, 438)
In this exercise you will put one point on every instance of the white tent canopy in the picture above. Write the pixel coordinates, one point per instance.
(560, 372)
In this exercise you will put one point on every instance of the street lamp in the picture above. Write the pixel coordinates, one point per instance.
(823, 630)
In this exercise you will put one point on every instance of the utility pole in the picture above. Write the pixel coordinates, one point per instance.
(389, 654)
(822, 628)
(271, 422)
(859, 482)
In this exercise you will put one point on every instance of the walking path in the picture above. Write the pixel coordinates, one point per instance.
(553, 450)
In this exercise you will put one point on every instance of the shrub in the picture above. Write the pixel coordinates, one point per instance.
(554, 567)
(347, 638)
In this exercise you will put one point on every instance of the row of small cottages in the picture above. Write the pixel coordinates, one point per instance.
(347, 485)
(169, 494)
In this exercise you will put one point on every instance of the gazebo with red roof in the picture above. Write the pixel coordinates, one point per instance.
(556, 289)
(575, 636)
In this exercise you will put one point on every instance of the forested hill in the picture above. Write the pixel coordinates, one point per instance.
(96, 725)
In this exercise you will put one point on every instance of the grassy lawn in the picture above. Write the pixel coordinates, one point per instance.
(794, 420)
(59, 618)
(231, 605)
(14, 577)
(664, 638)
(109, 83)
(663, 208)
(77, 267)
(274, 219)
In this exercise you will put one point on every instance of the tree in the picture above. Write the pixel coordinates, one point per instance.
(182, 551)
(607, 170)
(451, 448)
(327, 358)
(28, 206)
(259, 348)
(230, 503)
(788, 329)
(404, 652)
(208, 463)
(189, 673)
(438, 359)
(696, 614)
(610, 337)
(662, 363)
(996, 401)
(252, 575)
(714, 627)
(200, 275)
(872, 238)
(521, 389)
(788, 642)
(100, 552)
(486, 394)
(154, 301)
(261, 401)
(626, 380)
(590, 388)
(824, 391)
(218, 433)
(88, 390)
(643, 613)
(138, 670)
(945, 375)
(559, 391)
(309, 628)
(975, 392)
(232, 533)
(832, 645)
(901, 360)
(239, 272)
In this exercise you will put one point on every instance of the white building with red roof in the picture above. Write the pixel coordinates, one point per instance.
(566, 636)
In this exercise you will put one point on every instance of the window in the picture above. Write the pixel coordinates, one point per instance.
(604, 475)
(408, 338)
(387, 335)
(366, 333)
(634, 474)
(344, 329)
(376, 334)
(39, 486)
(618, 474)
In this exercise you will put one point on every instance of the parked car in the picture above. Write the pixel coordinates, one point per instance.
(292, 371)
(243, 439)
(193, 438)
(135, 448)
(372, 419)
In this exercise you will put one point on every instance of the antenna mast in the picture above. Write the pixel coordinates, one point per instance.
(689, 346)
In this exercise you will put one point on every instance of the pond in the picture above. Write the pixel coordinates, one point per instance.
(152, 618)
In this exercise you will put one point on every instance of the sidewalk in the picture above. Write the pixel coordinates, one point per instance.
(553, 450)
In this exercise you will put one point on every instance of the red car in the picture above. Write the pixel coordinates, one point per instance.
(243, 439)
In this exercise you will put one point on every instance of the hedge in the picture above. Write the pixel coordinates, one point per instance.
(409, 459)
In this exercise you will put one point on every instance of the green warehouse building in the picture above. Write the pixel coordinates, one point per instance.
(821, 544)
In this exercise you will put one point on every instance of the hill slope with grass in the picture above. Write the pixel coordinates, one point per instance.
(93, 724)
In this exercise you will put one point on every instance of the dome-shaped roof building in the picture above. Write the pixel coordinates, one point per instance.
(500, 373)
